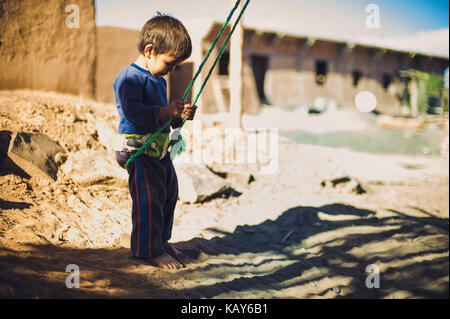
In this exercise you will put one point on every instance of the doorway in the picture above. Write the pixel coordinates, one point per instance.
(260, 64)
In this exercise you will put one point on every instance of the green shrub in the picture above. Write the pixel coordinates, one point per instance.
(428, 84)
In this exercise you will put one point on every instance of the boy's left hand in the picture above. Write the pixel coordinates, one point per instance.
(189, 112)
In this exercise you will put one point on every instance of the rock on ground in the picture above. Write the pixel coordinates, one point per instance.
(93, 166)
(32, 153)
(197, 183)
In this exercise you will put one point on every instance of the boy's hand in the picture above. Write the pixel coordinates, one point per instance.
(189, 112)
(171, 111)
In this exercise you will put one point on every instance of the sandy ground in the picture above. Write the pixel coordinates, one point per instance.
(285, 236)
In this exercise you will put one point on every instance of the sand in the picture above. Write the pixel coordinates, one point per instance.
(285, 236)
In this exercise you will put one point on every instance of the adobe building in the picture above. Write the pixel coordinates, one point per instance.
(278, 69)
(291, 71)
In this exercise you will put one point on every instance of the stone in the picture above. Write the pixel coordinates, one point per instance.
(196, 183)
(346, 184)
(30, 153)
(239, 176)
(88, 167)
(5, 139)
(107, 134)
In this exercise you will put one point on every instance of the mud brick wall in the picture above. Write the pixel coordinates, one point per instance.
(38, 49)
(117, 48)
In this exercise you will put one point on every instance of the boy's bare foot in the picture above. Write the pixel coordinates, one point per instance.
(165, 261)
(172, 251)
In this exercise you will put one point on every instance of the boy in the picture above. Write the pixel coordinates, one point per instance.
(141, 97)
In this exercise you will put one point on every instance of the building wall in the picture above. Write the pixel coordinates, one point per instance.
(292, 77)
(117, 47)
(39, 51)
(290, 80)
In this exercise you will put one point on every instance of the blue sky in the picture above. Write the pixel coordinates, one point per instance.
(419, 14)
(422, 25)
(399, 16)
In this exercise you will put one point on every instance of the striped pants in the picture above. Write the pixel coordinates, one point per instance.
(153, 188)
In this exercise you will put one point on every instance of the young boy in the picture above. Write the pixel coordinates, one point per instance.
(141, 97)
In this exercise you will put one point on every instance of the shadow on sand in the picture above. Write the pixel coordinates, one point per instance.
(321, 248)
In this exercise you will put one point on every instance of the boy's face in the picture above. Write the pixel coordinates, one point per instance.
(160, 64)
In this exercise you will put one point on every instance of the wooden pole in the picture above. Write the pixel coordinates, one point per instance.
(235, 77)
(414, 97)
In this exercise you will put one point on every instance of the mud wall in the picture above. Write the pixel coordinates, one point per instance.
(48, 44)
(117, 47)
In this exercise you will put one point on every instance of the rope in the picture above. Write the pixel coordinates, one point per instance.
(222, 49)
(210, 50)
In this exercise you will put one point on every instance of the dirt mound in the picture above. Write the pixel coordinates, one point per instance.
(60, 211)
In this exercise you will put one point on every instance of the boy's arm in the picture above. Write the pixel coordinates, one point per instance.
(130, 96)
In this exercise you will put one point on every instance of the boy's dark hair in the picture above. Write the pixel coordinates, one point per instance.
(168, 36)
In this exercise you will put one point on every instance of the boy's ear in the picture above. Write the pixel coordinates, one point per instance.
(148, 50)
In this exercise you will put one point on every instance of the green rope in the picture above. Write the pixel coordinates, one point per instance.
(222, 49)
(200, 68)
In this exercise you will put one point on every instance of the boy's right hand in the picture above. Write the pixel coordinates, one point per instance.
(171, 111)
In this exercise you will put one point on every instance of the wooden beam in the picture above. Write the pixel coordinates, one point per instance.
(407, 59)
(346, 49)
(276, 39)
(305, 44)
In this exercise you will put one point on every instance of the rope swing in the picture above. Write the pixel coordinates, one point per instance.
(179, 145)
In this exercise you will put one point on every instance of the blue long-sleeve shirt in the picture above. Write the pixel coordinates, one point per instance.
(139, 95)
